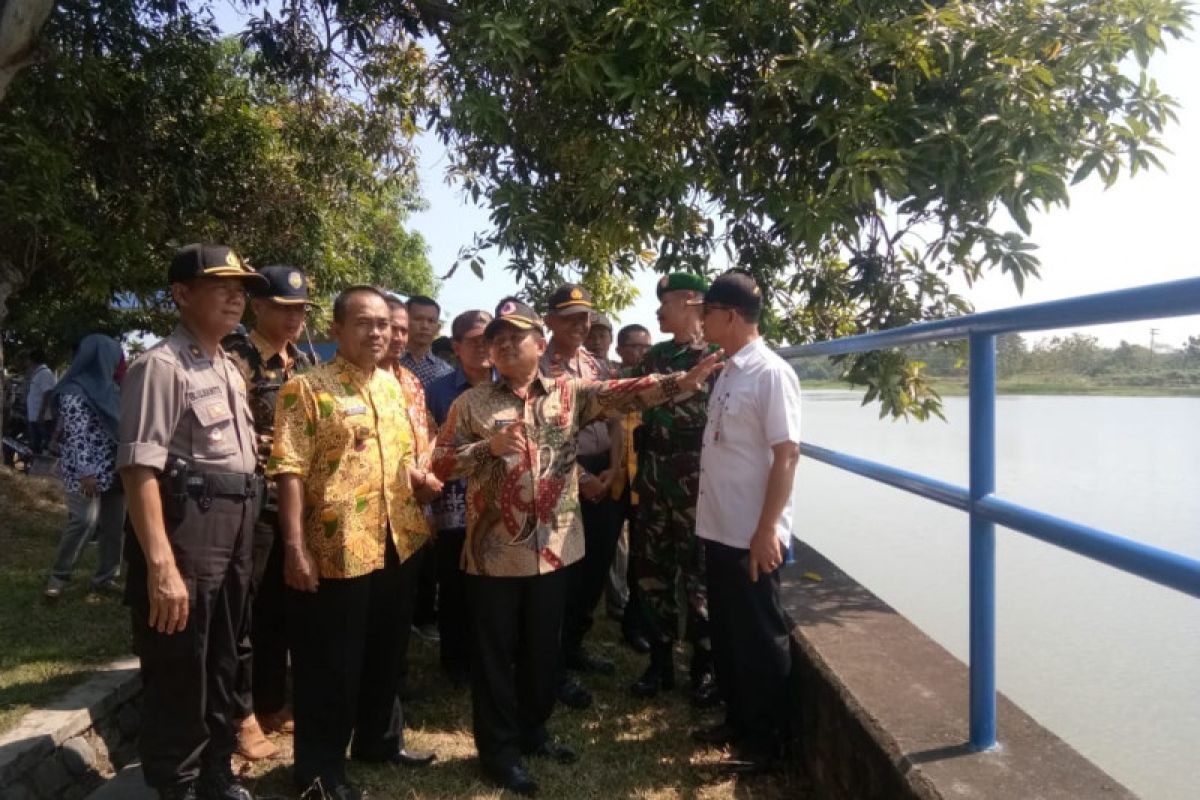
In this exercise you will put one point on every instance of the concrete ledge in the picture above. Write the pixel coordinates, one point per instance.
(883, 708)
(67, 748)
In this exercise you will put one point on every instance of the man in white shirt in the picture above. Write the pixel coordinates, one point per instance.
(41, 383)
(744, 514)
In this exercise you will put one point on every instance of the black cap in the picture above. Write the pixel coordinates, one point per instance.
(287, 285)
(512, 311)
(211, 261)
(735, 289)
(570, 298)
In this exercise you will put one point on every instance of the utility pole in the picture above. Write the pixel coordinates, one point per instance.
(1153, 333)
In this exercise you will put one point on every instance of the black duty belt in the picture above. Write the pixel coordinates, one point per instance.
(233, 485)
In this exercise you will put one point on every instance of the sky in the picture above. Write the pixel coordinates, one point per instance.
(1135, 233)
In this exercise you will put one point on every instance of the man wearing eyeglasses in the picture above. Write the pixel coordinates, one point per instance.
(342, 460)
(186, 456)
(744, 516)
(515, 441)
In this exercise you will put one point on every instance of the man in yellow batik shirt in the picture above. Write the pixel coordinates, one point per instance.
(350, 524)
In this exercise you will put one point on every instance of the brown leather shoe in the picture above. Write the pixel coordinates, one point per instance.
(278, 721)
(252, 744)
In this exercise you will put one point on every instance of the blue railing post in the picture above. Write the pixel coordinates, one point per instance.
(982, 390)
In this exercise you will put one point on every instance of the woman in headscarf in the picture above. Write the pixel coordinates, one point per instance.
(88, 406)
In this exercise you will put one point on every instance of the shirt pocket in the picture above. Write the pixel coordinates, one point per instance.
(215, 435)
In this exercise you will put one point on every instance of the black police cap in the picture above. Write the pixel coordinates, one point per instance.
(286, 285)
(204, 260)
(570, 298)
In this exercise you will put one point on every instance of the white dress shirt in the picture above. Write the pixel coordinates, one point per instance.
(754, 406)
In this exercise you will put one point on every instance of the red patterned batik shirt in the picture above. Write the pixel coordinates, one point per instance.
(523, 510)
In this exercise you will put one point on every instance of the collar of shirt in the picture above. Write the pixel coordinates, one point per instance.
(268, 351)
(352, 374)
(580, 364)
(190, 346)
(750, 352)
(544, 382)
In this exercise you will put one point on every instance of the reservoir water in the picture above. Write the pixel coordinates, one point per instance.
(1109, 662)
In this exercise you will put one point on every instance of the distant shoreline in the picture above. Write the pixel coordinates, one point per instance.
(951, 387)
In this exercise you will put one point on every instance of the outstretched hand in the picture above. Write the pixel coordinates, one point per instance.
(695, 377)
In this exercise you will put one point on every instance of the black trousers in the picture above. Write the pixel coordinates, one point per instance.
(190, 710)
(346, 655)
(428, 601)
(601, 530)
(751, 648)
(515, 625)
(262, 679)
(452, 600)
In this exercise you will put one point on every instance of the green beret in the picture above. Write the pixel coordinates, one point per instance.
(677, 281)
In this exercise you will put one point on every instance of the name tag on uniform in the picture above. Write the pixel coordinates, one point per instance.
(212, 410)
(351, 411)
(199, 394)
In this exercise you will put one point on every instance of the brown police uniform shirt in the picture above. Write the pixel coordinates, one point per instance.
(178, 403)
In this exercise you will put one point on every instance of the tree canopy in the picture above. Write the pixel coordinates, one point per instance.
(143, 131)
(853, 155)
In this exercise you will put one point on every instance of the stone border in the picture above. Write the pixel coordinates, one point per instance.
(882, 708)
(74, 744)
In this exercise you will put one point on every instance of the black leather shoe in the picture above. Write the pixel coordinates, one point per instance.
(338, 791)
(582, 661)
(514, 778)
(186, 792)
(554, 750)
(715, 736)
(637, 642)
(572, 695)
(413, 758)
(746, 765)
(659, 676)
(704, 692)
(218, 783)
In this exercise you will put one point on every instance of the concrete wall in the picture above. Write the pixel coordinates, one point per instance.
(66, 750)
(882, 708)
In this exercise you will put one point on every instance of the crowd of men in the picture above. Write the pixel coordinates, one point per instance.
(293, 514)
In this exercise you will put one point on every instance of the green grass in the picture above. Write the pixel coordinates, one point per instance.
(46, 649)
(627, 748)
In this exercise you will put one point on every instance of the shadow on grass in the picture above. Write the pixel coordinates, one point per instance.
(46, 648)
(627, 748)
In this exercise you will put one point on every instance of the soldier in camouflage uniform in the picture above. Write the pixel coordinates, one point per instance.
(268, 358)
(665, 548)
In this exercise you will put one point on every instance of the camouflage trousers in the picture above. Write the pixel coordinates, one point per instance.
(669, 568)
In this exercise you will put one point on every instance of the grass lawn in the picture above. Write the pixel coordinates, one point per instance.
(46, 649)
(627, 748)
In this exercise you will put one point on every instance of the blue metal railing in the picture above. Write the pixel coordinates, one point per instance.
(986, 510)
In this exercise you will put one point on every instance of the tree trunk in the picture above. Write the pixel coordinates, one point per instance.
(20, 23)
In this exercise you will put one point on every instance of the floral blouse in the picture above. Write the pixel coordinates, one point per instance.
(87, 447)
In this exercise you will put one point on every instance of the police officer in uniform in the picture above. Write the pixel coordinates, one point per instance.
(267, 358)
(187, 460)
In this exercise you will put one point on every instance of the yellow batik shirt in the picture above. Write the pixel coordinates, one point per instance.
(347, 435)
